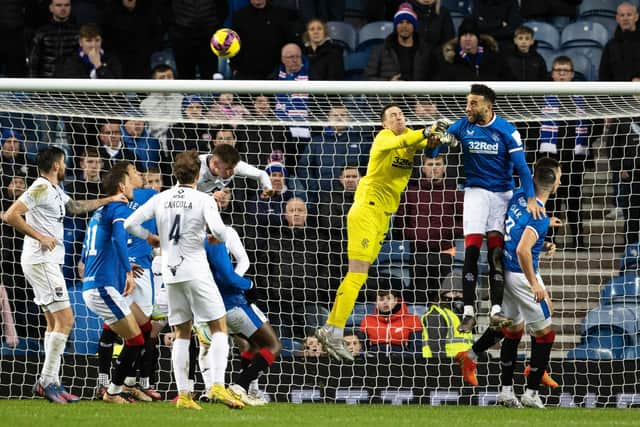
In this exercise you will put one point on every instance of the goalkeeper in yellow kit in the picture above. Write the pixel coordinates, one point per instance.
(376, 199)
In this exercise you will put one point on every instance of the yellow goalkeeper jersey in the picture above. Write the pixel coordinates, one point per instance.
(389, 168)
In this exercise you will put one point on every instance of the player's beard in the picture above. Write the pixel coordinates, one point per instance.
(475, 117)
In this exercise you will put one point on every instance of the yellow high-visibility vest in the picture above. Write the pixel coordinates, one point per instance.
(455, 341)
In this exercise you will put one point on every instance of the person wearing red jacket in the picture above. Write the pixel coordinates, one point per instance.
(391, 328)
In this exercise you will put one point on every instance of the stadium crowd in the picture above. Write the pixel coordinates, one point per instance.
(297, 237)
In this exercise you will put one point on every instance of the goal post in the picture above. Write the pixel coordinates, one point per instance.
(309, 132)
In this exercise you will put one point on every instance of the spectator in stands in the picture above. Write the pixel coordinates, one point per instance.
(189, 135)
(567, 142)
(435, 25)
(325, 56)
(136, 138)
(497, 18)
(111, 148)
(263, 29)
(328, 152)
(440, 336)
(162, 104)
(620, 59)
(152, 178)
(391, 328)
(269, 212)
(381, 10)
(326, 10)
(558, 12)
(192, 24)
(522, 57)
(12, 34)
(311, 347)
(476, 57)
(403, 55)
(335, 204)
(13, 160)
(132, 32)
(27, 315)
(431, 218)
(353, 343)
(623, 140)
(53, 42)
(90, 61)
(264, 138)
(293, 107)
(228, 108)
(293, 268)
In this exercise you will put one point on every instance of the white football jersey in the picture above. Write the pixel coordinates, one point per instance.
(46, 210)
(209, 183)
(182, 215)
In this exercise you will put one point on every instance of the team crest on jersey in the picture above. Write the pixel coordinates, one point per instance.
(495, 137)
(469, 131)
(365, 243)
(522, 202)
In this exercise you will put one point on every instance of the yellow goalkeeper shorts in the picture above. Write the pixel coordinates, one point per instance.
(367, 227)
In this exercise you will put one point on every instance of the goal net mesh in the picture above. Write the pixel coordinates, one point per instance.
(320, 142)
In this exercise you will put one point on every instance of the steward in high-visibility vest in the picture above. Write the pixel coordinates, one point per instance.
(440, 336)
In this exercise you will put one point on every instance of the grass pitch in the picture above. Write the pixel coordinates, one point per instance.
(18, 413)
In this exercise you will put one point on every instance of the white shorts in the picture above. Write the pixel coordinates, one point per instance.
(245, 320)
(195, 300)
(49, 286)
(142, 294)
(107, 303)
(484, 210)
(519, 304)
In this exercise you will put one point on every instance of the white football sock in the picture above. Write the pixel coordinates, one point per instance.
(53, 352)
(180, 361)
(469, 311)
(495, 309)
(204, 361)
(218, 356)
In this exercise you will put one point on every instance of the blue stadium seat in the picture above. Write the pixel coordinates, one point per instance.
(87, 328)
(631, 258)
(359, 311)
(458, 259)
(417, 309)
(546, 35)
(621, 319)
(584, 34)
(608, 22)
(598, 8)
(548, 55)
(25, 347)
(621, 290)
(394, 262)
(457, 7)
(588, 353)
(631, 352)
(373, 33)
(290, 346)
(355, 64)
(344, 34)
(582, 66)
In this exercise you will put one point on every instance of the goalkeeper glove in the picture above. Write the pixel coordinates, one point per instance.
(439, 127)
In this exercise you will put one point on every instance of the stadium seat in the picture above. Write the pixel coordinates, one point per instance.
(548, 55)
(631, 352)
(458, 259)
(355, 64)
(372, 34)
(417, 309)
(87, 328)
(621, 290)
(631, 258)
(584, 34)
(581, 64)
(290, 347)
(624, 320)
(546, 35)
(598, 8)
(394, 262)
(25, 347)
(609, 23)
(588, 353)
(359, 311)
(344, 34)
(458, 7)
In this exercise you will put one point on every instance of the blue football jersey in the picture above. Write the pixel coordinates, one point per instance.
(230, 284)
(518, 220)
(488, 152)
(139, 249)
(104, 251)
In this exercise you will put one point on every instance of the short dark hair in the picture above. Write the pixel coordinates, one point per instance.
(227, 153)
(186, 166)
(47, 157)
(546, 162)
(563, 59)
(153, 169)
(544, 173)
(523, 29)
(386, 107)
(162, 68)
(484, 91)
(89, 31)
(91, 152)
(113, 178)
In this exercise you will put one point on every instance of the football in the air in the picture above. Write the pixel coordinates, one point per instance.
(225, 43)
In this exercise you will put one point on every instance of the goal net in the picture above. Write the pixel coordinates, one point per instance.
(314, 140)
